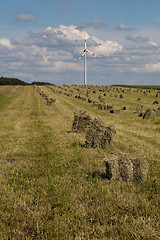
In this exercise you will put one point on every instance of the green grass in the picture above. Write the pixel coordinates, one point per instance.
(52, 188)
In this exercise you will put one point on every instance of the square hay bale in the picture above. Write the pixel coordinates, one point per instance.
(95, 104)
(90, 100)
(121, 96)
(81, 121)
(101, 99)
(125, 107)
(158, 94)
(99, 135)
(109, 107)
(126, 167)
(113, 110)
(101, 106)
(156, 102)
(157, 112)
(149, 114)
(50, 101)
(139, 109)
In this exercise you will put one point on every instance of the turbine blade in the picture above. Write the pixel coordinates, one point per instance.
(92, 54)
(80, 56)
(85, 41)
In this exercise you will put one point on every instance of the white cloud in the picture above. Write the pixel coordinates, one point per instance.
(153, 44)
(153, 67)
(97, 40)
(70, 33)
(124, 27)
(25, 17)
(6, 43)
(137, 38)
(60, 67)
(48, 28)
(97, 24)
(108, 48)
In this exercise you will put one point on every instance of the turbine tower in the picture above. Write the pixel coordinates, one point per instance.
(85, 60)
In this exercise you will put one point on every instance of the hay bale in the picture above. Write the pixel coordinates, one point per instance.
(109, 107)
(113, 110)
(81, 121)
(90, 100)
(158, 94)
(139, 109)
(101, 99)
(83, 98)
(157, 112)
(50, 101)
(149, 114)
(156, 102)
(99, 135)
(126, 167)
(125, 107)
(95, 104)
(101, 106)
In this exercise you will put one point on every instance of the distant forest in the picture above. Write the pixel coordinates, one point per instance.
(11, 81)
(15, 81)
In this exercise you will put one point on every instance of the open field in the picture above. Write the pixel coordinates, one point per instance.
(52, 188)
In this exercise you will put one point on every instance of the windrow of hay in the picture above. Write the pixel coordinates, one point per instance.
(49, 101)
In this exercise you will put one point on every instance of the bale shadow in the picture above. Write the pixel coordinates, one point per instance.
(97, 175)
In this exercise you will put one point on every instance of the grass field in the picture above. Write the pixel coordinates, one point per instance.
(51, 187)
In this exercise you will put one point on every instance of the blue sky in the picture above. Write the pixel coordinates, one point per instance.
(41, 40)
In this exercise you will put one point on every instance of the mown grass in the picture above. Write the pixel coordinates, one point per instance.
(52, 187)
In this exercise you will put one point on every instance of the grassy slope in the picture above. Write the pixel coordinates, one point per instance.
(51, 187)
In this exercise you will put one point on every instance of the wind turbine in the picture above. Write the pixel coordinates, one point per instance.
(85, 60)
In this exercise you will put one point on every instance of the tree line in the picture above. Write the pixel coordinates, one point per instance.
(16, 81)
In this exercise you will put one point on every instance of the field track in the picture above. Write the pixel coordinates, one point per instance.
(51, 187)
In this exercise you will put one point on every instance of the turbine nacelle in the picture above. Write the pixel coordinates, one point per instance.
(87, 51)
